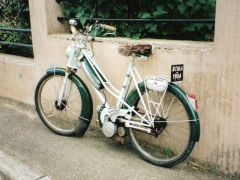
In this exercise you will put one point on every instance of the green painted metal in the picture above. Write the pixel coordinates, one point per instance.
(176, 90)
(16, 44)
(92, 72)
(87, 104)
(143, 20)
(16, 30)
(193, 115)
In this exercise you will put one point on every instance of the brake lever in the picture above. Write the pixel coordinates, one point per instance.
(88, 29)
(113, 34)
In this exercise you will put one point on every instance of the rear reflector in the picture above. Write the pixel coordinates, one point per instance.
(192, 99)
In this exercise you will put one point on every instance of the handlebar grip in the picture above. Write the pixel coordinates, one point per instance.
(73, 29)
(73, 23)
(108, 27)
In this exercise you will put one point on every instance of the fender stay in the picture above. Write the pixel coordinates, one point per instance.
(133, 96)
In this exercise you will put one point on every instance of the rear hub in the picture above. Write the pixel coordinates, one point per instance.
(159, 125)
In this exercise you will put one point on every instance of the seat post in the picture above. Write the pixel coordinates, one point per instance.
(132, 61)
(126, 83)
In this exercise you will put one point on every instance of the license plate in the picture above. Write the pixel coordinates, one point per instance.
(177, 72)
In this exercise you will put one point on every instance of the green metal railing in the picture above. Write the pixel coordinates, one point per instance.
(16, 44)
(62, 19)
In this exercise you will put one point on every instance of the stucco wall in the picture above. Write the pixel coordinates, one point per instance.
(211, 72)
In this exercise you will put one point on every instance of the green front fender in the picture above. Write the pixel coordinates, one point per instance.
(87, 104)
(177, 91)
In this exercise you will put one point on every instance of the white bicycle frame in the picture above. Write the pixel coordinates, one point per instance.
(132, 74)
(78, 51)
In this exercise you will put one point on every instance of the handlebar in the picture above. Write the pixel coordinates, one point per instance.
(107, 27)
(73, 29)
(73, 24)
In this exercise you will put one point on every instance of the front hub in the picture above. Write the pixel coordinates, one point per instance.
(60, 106)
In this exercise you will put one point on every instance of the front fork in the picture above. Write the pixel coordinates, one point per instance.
(62, 95)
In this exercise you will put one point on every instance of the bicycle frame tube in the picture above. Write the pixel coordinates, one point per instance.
(97, 76)
(125, 86)
(96, 72)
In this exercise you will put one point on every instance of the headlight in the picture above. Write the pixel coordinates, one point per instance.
(72, 53)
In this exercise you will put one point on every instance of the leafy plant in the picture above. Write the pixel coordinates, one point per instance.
(153, 9)
(168, 152)
(15, 14)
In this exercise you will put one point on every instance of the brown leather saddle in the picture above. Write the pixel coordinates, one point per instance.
(136, 50)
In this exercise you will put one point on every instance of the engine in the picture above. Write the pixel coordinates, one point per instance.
(110, 125)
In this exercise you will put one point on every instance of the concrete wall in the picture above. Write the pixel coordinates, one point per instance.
(211, 72)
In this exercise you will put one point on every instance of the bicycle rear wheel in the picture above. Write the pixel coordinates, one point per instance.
(68, 118)
(173, 141)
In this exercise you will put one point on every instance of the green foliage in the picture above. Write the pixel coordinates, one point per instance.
(185, 9)
(15, 14)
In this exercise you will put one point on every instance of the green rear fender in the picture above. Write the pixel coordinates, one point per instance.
(176, 90)
(87, 104)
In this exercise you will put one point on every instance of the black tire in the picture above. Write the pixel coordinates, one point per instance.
(164, 150)
(71, 119)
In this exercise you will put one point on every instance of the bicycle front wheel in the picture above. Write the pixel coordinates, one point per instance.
(172, 141)
(73, 115)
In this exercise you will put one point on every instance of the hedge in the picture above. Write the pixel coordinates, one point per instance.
(15, 14)
(177, 9)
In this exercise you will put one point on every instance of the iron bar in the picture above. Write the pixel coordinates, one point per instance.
(16, 44)
(61, 19)
(16, 30)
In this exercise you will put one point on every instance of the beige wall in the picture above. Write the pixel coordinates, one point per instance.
(211, 72)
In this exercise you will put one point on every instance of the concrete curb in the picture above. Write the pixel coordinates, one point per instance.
(11, 168)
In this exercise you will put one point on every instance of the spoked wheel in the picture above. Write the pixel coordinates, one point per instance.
(170, 141)
(65, 117)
